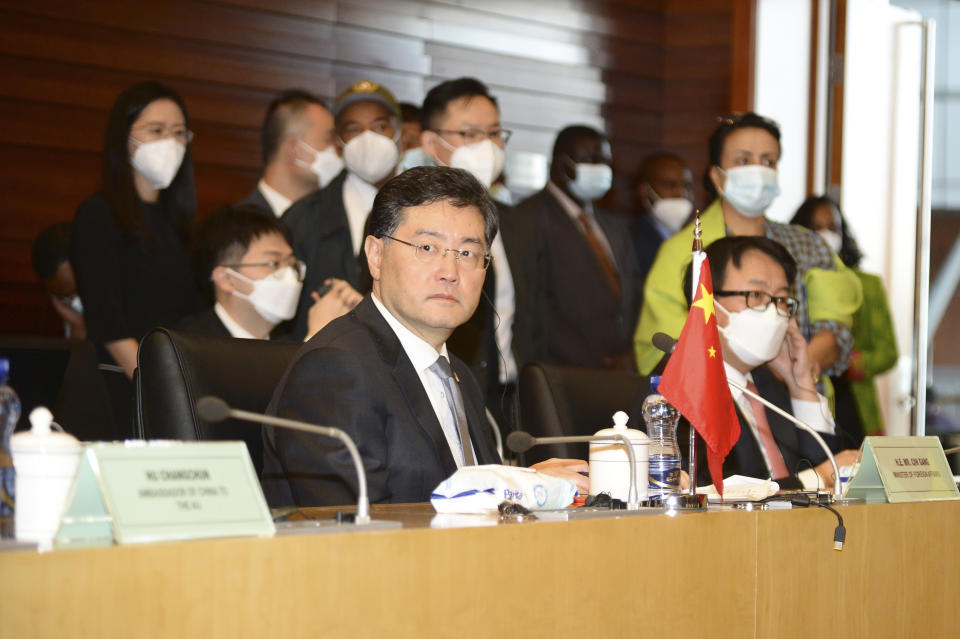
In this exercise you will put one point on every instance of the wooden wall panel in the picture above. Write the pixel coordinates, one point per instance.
(653, 73)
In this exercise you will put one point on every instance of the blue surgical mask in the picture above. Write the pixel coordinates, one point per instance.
(592, 181)
(750, 189)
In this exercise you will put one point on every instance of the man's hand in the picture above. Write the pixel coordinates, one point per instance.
(825, 470)
(339, 300)
(78, 327)
(567, 469)
(793, 365)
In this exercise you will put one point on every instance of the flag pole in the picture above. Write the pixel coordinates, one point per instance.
(698, 257)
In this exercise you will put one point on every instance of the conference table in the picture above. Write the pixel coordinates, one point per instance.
(720, 573)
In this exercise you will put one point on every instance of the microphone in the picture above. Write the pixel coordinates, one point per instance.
(213, 409)
(521, 441)
(664, 342)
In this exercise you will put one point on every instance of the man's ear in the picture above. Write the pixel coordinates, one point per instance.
(221, 279)
(716, 177)
(373, 248)
(428, 140)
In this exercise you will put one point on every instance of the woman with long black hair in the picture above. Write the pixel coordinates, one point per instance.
(129, 239)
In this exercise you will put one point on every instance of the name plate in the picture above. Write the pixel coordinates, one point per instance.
(900, 469)
(137, 492)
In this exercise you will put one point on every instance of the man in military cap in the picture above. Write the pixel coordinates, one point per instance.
(327, 226)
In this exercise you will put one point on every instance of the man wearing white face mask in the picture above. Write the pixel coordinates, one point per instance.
(243, 258)
(462, 129)
(299, 152)
(744, 152)
(664, 191)
(763, 350)
(593, 292)
(327, 225)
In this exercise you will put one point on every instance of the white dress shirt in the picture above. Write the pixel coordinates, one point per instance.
(505, 305)
(815, 414)
(423, 356)
(233, 327)
(358, 199)
(278, 201)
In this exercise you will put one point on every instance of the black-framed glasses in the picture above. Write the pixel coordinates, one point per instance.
(276, 267)
(760, 300)
(430, 253)
(474, 135)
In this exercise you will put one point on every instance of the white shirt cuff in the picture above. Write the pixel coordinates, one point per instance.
(811, 480)
(816, 414)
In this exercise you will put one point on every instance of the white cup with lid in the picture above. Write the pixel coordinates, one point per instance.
(46, 462)
(610, 464)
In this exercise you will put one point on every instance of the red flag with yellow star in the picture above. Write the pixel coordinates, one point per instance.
(695, 381)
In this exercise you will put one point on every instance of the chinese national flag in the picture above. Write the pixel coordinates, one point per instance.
(695, 381)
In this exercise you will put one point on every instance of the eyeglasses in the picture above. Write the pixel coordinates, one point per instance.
(431, 253)
(277, 266)
(759, 301)
(159, 131)
(472, 136)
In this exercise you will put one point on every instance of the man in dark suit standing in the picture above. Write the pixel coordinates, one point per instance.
(764, 351)
(383, 372)
(328, 225)
(299, 152)
(461, 128)
(593, 292)
(664, 190)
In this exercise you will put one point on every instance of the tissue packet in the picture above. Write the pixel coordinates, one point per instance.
(479, 489)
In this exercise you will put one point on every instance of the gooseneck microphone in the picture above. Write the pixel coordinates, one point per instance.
(521, 441)
(666, 344)
(214, 409)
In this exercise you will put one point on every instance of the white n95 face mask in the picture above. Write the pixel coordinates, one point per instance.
(326, 164)
(833, 239)
(274, 297)
(672, 212)
(755, 337)
(750, 189)
(371, 156)
(158, 161)
(592, 181)
(483, 160)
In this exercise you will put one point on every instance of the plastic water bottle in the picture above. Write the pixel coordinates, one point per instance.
(9, 414)
(661, 419)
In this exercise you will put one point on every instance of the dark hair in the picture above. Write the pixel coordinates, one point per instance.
(647, 165)
(727, 125)
(50, 250)
(850, 253)
(563, 145)
(284, 109)
(730, 249)
(410, 112)
(179, 199)
(426, 185)
(440, 96)
(225, 236)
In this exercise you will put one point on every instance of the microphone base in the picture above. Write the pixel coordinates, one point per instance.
(682, 501)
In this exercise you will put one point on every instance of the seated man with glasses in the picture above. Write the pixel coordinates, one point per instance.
(244, 262)
(764, 350)
(383, 372)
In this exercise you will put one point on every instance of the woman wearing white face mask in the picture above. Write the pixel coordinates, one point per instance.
(744, 152)
(128, 243)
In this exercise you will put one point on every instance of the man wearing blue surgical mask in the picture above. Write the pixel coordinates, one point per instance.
(300, 154)
(593, 292)
(462, 129)
(327, 225)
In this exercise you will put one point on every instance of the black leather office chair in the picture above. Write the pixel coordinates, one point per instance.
(569, 400)
(176, 369)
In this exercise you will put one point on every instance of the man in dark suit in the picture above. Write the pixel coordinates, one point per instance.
(664, 190)
(328, 225)
(299, 152)
(243, 260)
(764, 351)
(383, 372)
(461, 128)
(593, 291)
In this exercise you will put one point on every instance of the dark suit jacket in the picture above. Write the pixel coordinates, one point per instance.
(583, 318)
(204, 323)
(646, 242)
(475, 341)
(321, 238)
(355, 375)
(256, 201)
